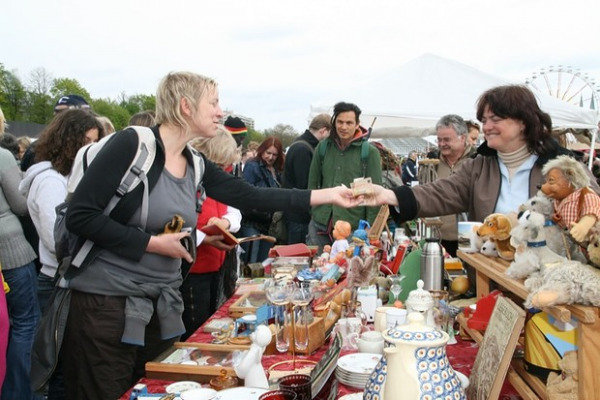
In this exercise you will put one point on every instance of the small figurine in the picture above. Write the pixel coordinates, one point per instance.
(360, 237)
(341, 231)
(250, 367)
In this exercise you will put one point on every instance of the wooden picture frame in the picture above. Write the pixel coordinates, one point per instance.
(496, 350)
(248, 304)
(177, 363)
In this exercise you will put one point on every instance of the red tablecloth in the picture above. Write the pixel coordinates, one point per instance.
(461, 356)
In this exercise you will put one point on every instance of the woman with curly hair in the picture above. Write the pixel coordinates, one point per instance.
(45, 183)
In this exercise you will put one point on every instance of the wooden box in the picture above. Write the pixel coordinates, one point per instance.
(198, 362)
(247, 304)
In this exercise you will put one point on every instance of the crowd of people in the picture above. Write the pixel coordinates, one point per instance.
(130, 301)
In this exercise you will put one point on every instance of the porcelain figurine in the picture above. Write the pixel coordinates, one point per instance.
(418, 363)
(250, 367)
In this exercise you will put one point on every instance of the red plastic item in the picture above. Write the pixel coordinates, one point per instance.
(482, 314)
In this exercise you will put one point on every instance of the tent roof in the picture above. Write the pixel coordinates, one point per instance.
(424, 89)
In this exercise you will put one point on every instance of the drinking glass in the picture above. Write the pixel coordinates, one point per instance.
(302, 295)
(280, 294)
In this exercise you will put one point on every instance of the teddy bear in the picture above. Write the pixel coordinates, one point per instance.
(497, 227)
(564, 386)
(556, 238)
(576, 206)
(532, 252)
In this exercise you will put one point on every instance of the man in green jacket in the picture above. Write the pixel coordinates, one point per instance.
(338, 160)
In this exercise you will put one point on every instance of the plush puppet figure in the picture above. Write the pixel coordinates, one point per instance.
(576, 207)
(497, 227)
(341, 231)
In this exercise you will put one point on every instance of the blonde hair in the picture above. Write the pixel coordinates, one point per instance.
(177, 86)
(220, 149)
(107, 124)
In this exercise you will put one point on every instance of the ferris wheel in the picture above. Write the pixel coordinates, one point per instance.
(568, 84)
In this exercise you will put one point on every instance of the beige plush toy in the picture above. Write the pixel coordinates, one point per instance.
(564, 386)
(576, 207)
(497, 227)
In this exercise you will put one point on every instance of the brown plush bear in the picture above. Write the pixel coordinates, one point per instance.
(565, 385)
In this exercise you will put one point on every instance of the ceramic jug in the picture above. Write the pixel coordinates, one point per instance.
(417, 360)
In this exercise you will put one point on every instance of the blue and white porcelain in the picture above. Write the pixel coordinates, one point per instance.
(418, 363)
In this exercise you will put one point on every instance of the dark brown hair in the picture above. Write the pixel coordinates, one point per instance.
(63, 136)
(518, 102)
(268, 142)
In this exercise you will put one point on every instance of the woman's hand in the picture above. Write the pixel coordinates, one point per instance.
(169, 244)
(217, 241)
(380, 196)
(338, 195)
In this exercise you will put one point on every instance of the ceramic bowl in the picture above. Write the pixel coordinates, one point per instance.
(198, 394)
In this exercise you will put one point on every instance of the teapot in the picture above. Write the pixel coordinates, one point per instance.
(417, 360)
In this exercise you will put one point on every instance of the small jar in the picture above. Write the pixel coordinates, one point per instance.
(223, 381)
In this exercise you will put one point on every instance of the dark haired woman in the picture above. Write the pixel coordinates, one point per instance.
(264, 170)
(506, 171)
(45, 183)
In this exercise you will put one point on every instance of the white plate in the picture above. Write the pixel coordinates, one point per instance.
(198, 394)
(352, 396)
(182, 386)
(239, 393)
(359, 363)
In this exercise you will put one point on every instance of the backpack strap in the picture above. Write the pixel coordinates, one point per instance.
(135, 171)
(199, 168)
(305, 144)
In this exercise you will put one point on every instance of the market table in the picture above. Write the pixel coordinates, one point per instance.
(461, 356)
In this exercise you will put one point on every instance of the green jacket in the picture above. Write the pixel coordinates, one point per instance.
(339, 167)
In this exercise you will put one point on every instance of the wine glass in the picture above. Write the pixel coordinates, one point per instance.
(302, 296)
(395, 288)
(279, 294)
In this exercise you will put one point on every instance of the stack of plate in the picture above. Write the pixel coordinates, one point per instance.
(354, 369)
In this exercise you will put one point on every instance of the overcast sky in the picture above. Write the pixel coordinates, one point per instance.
(273, 58)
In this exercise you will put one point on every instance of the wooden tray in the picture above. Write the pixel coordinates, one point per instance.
(211, 360)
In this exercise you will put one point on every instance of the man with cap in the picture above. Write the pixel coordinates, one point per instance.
(238, 130)
(70, 101)
(295, 172)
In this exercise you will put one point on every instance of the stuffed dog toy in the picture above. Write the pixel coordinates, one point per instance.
(489, 248)
(558, 240)
(497, 227)
(532, 252)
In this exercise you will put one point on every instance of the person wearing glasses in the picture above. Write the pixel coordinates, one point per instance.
(454, 149)
(506, 171)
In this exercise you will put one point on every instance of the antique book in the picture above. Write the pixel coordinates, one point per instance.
(214, 229)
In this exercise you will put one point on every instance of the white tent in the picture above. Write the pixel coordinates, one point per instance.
(419, 92)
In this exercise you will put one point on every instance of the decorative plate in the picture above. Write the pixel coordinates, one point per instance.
(238, 393)
(359, 363)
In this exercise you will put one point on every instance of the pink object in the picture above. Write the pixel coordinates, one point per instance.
(4, 326)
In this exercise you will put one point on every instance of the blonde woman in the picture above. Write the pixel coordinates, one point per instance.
(126, 306)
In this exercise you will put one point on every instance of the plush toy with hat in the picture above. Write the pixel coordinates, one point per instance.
(576, 206)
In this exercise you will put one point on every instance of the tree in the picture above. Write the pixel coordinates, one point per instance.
(12, 95)
(285, 133)
(39, 103)
(65, 86)
(111, 110)
(136, 103)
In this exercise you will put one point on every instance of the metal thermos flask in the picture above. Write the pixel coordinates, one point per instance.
(432, 265)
